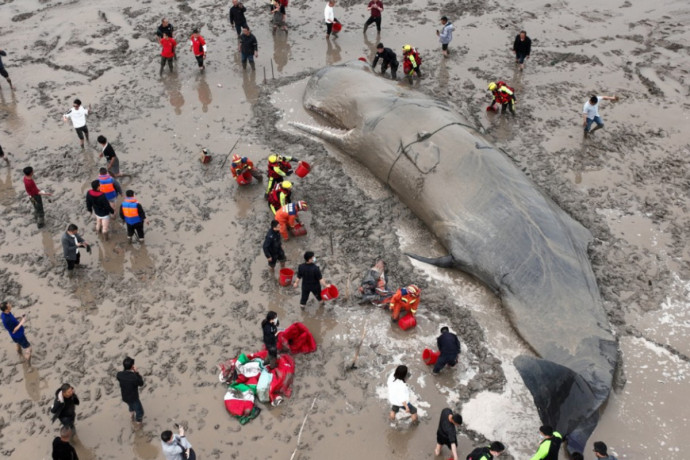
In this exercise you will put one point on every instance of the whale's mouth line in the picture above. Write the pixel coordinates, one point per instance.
(326, 119)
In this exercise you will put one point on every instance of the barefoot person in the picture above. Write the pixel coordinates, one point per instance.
(446, 434)
(16, 329)
(130, 380)
(98, 204)
(78, 116)
(399, 394)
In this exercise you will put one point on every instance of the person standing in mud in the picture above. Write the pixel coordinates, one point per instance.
(446, 434)
(375, 8)
(62, 449)
(2, 156)
(108, 185)
(98, 204)
(64, 406)
(388, 59)
(312, 281)
(399, 394)
(249, 48)
(168, 45)
(269, 326)
(35, 195)
(108, 152)
(3, 71)
(522, 47)
(16, 330)
(134, 216)
(130, 380)
(590, 113)
(329, 17)
(198, 47)
(237, 17)
(78, 116)
(71, 242)
(273, 246)
(445, 35)
(165, 28)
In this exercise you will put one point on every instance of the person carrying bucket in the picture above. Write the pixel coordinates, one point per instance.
(279, 168)
(243, 165)
(407, 299)
(449, 348)
(287, 216)
(280, 196)
(312, 281)
(273, 246)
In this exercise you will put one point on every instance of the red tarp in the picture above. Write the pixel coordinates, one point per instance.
(297, 339)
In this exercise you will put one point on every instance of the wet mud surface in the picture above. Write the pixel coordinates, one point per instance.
(195, 293)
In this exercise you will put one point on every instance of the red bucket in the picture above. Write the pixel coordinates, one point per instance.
(430, 357)
(303, 169)
(298, 230)
(286, 275)
(337, 27)
(407, 322)
(330, 293)
(244, 178)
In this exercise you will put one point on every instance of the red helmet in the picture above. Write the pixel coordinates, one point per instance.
(413, 290)
(302, 206)
(236, 159)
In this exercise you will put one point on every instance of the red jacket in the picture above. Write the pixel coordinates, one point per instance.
(198, 44)
(30, 187)
(168, 47)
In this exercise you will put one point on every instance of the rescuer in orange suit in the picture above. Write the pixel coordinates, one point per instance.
(407, 299)
(287, 216)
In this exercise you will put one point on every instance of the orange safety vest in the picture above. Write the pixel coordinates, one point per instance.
(130, 210)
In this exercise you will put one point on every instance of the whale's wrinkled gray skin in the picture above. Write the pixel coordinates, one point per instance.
(496, 226)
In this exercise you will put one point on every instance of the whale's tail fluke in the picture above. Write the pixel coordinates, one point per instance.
(443, 262)
(563, 399)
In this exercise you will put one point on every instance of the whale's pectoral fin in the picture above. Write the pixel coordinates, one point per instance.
(564, 400)
(443, 262)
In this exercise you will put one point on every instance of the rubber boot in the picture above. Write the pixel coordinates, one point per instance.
(253, 65)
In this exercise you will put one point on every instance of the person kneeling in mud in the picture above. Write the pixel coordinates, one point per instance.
(374, 286)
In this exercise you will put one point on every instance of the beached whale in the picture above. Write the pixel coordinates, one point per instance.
(495, 223)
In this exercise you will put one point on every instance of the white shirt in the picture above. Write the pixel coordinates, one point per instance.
(328, 13)
(76, 241)
(78, 116)
(174, 451)
(591, 110)
(398, 393)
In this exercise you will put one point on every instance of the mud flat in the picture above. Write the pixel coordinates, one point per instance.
(196, 292)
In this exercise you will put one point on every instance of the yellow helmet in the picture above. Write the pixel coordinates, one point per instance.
(407, 48)
(272, 158)
(287, 185)
(492, 86)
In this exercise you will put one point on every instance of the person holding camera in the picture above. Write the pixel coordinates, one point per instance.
(16, 329)
(130, 380)
(71, 242)
(176, 446)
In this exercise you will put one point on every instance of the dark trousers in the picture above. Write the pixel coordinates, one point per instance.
(393, 66)
(306, 289)
(443, 361)
(139, 228)
(200, 60)
(170, 63)
(371, 20)
(73, 263)
(238, 28)
(138, 410)
(37, 202)
(68, 422)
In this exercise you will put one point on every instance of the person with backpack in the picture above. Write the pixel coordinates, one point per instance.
(503, 95)
(488, 452)
(411, 62)
(280, 196)
(446, 434)
(550, 444)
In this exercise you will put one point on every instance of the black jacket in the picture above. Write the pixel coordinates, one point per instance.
(248, 43)
(310, 274)
(98, 203)
(448, 344)
(388, 55)
(270, 331)
(63, 450)
(66, 408)
(237, 15)
(129, 385)
(273, 244)
(522, 47)
(167, 30)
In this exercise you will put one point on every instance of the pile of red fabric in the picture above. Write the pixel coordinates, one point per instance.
(296, 338)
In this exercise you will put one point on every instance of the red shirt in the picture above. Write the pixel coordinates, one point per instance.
(30, 187)
(168, 45)
(374, 12)
(198, 43)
